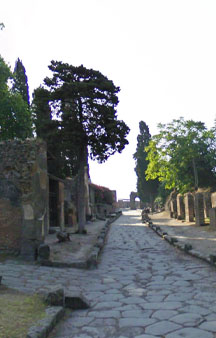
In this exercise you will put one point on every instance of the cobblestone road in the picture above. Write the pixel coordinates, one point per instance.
(143, 288)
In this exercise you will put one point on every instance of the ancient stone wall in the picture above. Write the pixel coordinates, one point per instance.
(23, 196)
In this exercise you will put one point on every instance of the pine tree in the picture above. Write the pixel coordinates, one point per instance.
(85, 103)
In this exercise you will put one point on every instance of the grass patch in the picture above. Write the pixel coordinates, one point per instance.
(18, 312)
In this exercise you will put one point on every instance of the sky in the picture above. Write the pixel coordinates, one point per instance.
(161, 53)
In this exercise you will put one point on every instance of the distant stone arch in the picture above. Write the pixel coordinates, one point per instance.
(133, 196)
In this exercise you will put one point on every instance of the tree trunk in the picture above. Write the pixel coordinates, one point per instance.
(81, 190)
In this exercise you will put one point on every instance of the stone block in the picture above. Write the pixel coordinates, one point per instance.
(28, 212)
(43, 251)
(199, 209)
(28, 250)
(76, 302)
(189, 207)
(187, 247)
(207, 203)
(180, 207)
(213, 200)
(212, 215)
(55, 296)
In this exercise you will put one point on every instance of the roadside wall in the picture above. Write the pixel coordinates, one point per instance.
(24, 218)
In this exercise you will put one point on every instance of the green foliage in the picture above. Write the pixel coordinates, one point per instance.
(146, 189)
(182, 155)
(83, 102)
(21, 81)
(15, 117)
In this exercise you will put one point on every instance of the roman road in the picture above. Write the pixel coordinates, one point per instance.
(142, 288)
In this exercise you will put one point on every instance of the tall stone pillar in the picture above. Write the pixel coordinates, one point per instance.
(180, 207)
(61, 204)
(213, 200)
(212, 215)
(133, 195)
(207, 203)
(199, 208)
(173, 207)
(189, 207)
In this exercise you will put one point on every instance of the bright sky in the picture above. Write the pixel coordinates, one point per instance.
(162, 54)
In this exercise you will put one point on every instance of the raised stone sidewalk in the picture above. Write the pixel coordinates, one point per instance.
(197, 241)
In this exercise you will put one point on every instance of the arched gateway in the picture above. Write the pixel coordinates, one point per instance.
(133, 196)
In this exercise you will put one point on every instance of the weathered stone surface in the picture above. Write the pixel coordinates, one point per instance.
(190, 332)
(22, 163)
(76, 302)
(212, 216)
(28, 212)
(55, 296)
(189, 207)
(43, 251)
(162, 328)
(199, 208)
(63, 236)
(180, 207)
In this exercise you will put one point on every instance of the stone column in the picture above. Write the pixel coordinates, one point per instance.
(133, 195)
(61, 205)
(173, 208)
(213, 200)
(189, 207)
(199, 209)
(212, 215)
(207, 203)
(180, 207)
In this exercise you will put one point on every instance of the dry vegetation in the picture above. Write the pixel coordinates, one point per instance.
(18, 312)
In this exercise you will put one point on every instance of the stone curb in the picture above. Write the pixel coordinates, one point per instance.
(43, 327)
(92, 260)
(183, 246)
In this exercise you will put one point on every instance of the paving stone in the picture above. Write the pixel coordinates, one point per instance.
(124, 322)
(162, 305)
(209, 326)
(164, 314)
(196, 309)
(104, 314)
(136, 313)
(145, 336)
(188, 319)
(142, 283)
(107, 305)
(190, 332)
(162, 328)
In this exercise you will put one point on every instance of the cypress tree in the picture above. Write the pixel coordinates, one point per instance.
(21, 81)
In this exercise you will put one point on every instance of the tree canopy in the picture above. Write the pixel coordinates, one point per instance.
(183, 155)
(15, 117)
(146, 189)
(83, 102)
